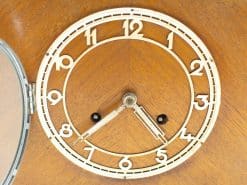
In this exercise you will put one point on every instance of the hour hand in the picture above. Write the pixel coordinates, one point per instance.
(130, 100)
(100, 124)
(149, 123)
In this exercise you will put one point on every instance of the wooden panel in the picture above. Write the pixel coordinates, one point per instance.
(31, 26)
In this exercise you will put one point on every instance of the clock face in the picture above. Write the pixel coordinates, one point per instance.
(128, 93)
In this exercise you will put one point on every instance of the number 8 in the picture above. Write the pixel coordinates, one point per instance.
(65, 131)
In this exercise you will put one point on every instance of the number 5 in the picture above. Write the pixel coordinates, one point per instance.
(161, 156)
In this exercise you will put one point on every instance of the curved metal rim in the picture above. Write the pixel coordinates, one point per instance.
(26, 119)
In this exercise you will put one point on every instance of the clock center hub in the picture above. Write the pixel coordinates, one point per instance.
(129, 99)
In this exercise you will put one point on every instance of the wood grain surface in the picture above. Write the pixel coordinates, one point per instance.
(29, 27)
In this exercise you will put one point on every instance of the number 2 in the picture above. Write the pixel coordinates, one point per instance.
(196, 67)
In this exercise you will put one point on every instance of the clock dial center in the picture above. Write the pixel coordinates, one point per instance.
(129, 99)
(130, 77)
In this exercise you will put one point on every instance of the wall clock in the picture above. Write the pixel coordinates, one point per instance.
(123, 93)
(84, 143)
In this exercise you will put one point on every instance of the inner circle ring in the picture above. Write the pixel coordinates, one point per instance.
(123, 38)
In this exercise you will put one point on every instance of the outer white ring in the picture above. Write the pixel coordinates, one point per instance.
(147, 15)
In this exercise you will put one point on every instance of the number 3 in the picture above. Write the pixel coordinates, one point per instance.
(202, 103)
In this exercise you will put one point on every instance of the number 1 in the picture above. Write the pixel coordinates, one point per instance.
(170, 40)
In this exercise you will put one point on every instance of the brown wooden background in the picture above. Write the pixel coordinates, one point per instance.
(31, 26)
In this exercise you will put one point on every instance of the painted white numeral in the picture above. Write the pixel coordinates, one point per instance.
(91, 150)
(132, 28)
(91, 36)
(161, 156)
(125, 163)
(202, 103)
(64, 62)
(186, 136)
(170, 40)
(196, 67)
(54, 96)
(65, 131)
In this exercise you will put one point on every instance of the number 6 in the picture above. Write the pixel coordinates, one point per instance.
(125, 163)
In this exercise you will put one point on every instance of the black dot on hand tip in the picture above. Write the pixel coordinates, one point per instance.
(162, 119)
(95, 117)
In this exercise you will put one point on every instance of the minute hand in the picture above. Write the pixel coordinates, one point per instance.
(100, 124)
(149, 123)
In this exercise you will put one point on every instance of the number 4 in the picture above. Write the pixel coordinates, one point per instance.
(185, 136)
